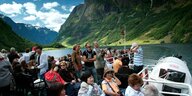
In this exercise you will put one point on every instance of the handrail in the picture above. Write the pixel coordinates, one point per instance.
(146, 79)
(175, 83)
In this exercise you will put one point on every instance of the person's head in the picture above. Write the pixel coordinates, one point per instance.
(151, 90)
(27, 50)
(119, 57)
(33, 48)
(3, 51)
(63, 65)
(96, 45)
(76, 47)
(134, 45)
(135, 81)
(108, 74)
(87, 77)
(12, 49)
(88, 46)
(59, 90)
(38, 49)
(125, 61)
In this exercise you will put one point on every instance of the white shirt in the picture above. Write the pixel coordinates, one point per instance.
(43, 66)
(131, 92)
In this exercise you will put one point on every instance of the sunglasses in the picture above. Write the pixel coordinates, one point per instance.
(62, 65)
(88, 46)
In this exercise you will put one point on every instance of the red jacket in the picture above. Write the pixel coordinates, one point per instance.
(49, 76)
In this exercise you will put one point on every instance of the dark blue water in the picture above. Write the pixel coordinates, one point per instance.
(151, 52)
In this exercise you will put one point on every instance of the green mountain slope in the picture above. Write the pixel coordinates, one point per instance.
(144, 21)
(11, 39)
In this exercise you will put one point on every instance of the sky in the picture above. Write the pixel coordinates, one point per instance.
(44, 13)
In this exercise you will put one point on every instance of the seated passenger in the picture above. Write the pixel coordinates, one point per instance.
(88, 87)
(52, 78)
(135, 83)
(110, 83)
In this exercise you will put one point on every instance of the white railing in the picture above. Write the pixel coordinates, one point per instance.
(146, 72)
(184, 85)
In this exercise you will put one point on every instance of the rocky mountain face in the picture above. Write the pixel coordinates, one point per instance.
(11, 39)
(145, 21)
(32, 33)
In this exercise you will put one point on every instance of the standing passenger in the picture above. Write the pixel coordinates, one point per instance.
(89, 56)
(138, 57)
(42, 62)
(100, 62)
(76, 60)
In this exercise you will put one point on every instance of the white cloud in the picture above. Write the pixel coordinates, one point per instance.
(12, 15)
(50, 5)
(52, 19)
(13, 8)
(71, 8)
(64, 7)
(30, 18)
(30, 8)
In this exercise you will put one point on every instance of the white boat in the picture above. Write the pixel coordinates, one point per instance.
(170, 76)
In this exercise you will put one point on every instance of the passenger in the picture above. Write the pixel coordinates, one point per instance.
(124, 72)
(73, 84)
(88, 87)
(138, 57)
(76, 60)
(110, 83)
(100, 62)
(13, 55)
(52, 78)
(5, 78)
(42, 62)
(134, 89)
(89, 56)
(26, 56)
(117, 64)
(151, 90)
(57, 91)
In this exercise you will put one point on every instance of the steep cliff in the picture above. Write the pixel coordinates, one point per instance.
(145, 21)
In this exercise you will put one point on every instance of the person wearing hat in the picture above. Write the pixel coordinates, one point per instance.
(138, 57)
(110, 83)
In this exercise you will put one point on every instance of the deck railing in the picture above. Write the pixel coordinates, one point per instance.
(146, 72)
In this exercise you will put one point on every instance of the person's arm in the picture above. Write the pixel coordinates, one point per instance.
(135, 49)
(85, 58)
(93, 59)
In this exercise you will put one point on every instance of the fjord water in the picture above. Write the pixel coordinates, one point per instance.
(151, 52)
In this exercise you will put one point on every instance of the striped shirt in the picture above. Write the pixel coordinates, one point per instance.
(138, 57)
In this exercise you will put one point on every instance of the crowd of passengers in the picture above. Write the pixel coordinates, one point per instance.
(92, 72)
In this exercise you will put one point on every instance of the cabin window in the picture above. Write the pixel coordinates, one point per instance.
(172, 75)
